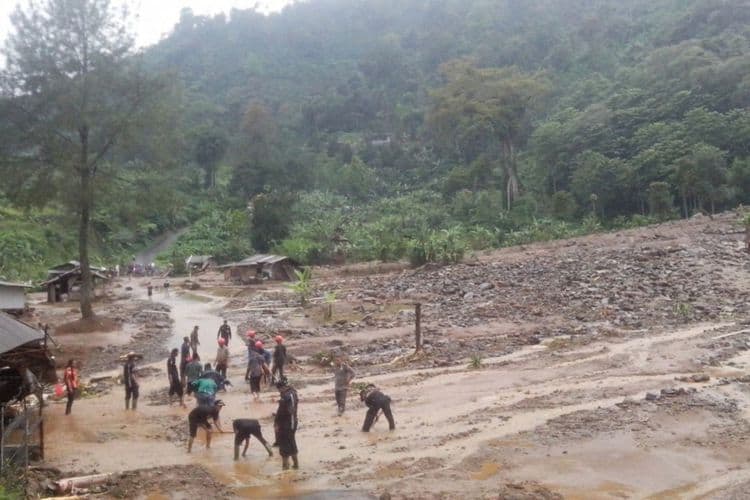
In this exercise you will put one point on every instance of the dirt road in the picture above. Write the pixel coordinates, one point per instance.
(640, 398)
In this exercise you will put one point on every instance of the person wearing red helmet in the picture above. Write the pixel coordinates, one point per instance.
(256, 368)
(279, 357)
(222, 358)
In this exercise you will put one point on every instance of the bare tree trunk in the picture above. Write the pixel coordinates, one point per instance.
(86, 201)
(684, 204)
(513, 185)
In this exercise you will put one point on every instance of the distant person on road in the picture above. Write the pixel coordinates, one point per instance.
(194, 342)
(175, 382)
(225, 332)
(130, 379)
(193, 370)
(256, 368)
(222, 358)
(71, 381)
(184, 357)
(198, 417)
(166, 288)
(342, 377)
(376, 401)
(243, 429)
(285, 424)
(279, 357)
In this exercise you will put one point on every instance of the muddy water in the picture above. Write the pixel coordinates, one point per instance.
(443, 417)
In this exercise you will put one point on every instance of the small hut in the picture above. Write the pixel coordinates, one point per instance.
(260, 267)
(198, 263)
(25, 364)
(13, 297)
(64, 281)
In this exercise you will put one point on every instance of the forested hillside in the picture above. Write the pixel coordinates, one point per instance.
(383, 129)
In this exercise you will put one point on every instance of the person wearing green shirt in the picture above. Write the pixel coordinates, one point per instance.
(205, 391)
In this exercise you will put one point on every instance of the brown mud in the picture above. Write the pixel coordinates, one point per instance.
(614, 365)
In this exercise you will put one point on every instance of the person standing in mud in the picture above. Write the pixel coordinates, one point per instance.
(225, 332)
(70, 379)
(243, 429)
(256, 368)
(198, 417)
(285, 424)
(130, 379)
(279, 358)
(222, 358)
(175, 382)
(376, 401)
(193, 370)
(184, 357)
(194, 342)
(342, 377)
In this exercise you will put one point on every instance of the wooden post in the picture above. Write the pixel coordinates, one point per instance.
(418, 326)
(41, 429)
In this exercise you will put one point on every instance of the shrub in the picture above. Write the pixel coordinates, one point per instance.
(445, 247)
(564, 205)
(475, 362)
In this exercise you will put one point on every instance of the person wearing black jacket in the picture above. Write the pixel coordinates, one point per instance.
(198, 417)
(285, 423)
(175, 384)
(243, 429)
(225, 332)
(130, 380)
(376, 401)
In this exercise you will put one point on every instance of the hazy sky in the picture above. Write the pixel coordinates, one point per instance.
(153, 18)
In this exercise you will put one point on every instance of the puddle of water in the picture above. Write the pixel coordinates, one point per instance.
(488, 470)
(157, 496)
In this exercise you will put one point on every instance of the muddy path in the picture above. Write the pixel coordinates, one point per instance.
(563, 403)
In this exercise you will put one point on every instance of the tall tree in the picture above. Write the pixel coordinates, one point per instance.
(489, 107)
(210, 147)
(72, 88)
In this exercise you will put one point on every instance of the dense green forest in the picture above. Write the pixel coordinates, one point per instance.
(379, 129)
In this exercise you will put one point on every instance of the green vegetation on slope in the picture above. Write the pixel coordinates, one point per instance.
(383, 130)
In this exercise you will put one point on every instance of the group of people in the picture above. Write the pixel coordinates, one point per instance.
(189, 376)
(192, 377)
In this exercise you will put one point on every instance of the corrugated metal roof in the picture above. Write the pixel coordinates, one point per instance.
(15, 285)
(262, 259)
(63, 275)
(198, 259)
(259, 259)
(73, 264)
(14, 333)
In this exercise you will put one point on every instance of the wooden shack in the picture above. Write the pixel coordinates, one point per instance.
(199, 263)
(64, 281)
(261, 267)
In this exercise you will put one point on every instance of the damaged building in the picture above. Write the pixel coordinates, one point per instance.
(25, 365)
(260, 267)
(64, 281)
